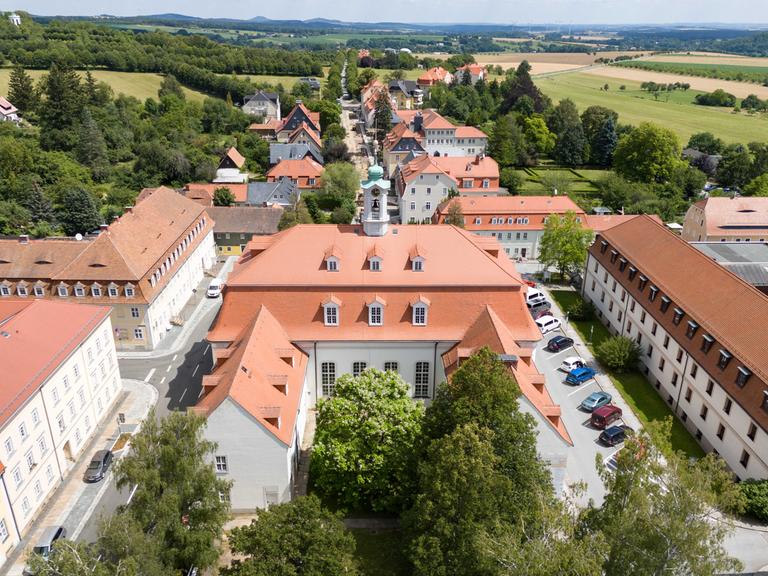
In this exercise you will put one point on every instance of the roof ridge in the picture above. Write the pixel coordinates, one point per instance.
(469, 238)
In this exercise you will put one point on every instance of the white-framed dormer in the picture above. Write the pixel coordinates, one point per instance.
(376, 311)
(420, 311)
(374, 263)
(38, 289)
(62, 290)
(96, 290)
(331, 311)
(5, 288)
(113, 290)
(22, 289)
(79, 290)
(332, 264)
(417, 258)
(130, 290)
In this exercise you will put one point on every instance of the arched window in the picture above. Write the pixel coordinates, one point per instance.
(420, 314)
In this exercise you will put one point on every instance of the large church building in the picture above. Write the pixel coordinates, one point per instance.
(306, 305)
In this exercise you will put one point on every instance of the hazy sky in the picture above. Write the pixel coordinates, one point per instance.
(498, 11)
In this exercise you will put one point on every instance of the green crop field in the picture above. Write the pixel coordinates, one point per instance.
(634, 106)
(720, 71)
(141, 85)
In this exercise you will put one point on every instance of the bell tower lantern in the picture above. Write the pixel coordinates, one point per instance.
(375, 217)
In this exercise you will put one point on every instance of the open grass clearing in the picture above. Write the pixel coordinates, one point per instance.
(380, 552)
(141, 85)
(633, 387)
(634, 106)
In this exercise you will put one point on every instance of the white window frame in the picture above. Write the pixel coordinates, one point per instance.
(331, 314)
(222, 466)
(96, 291)
(5, 290)
(417, 264)
(129, 291)
(62, 291)
(79, 292)
(3, 531)
(391, 366)
(332, 264)
(138, 333)
(419, 316)
(22, 290)
(135, 312)
(113, 292)
(38, 291)
(375, 314)
(374, 264)
(421, 380)
(327, 377)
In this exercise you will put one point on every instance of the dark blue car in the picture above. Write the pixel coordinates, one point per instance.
(580, 375)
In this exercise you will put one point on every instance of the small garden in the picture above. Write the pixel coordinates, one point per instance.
(633, 386)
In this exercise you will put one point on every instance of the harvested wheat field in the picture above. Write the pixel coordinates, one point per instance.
(544, 62)
(738, 89)
(703, 58)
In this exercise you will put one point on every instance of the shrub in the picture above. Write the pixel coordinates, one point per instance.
(618, 353)
(581, 310)
(756, 495)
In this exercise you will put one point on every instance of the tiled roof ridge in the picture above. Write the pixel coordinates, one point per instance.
(84, 253)
(704, 258)
(469, 237)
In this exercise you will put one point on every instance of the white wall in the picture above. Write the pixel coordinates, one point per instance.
(623, 319)
(422, 195)
(513, 241)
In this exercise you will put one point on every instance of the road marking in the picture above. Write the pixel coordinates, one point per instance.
(206, 349)
(130, 496)
(146, 379)
(174, 357)
(169, 368)
(163, 380)
(182, 395)
(196, 367)
(580, 388)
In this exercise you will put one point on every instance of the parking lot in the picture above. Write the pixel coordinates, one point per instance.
(580, 465)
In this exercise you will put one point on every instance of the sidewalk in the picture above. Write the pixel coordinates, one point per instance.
(198, 305)
(74, 500)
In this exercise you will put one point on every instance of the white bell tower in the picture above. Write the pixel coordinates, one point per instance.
(375, 217)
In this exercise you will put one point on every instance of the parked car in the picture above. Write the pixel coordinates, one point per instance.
(559, 343)
(603, 417)
(99, 465)
(580, 375)
(534, 295)
(538, 309)
(45, 543)
(615, 435)
(547, 324)
(215, 288)
(595, 400)
(571, 363)
(529, 280)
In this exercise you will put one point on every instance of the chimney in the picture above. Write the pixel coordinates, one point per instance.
(418, 122)
(477, 159)
(129, 209)
(103, 228)
(24, 239)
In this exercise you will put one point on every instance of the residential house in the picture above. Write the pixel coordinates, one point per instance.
(725, 219)
(230, 168)
(305, 173)
(406, 94)
(267, 130)
(426, 181)
(313, 83)
(303, 134)
(14, 19)
(441, 138)
(369, 94)
(518, 222)
(314, 302)
(398, 145)
(8, 112)
(145, 266)
(433, 77)
(279, 152)
(296, 117)
(701, 331)
(263, 104)
(60, 381)
(283, 192)
(235, 226)
(476, 72)
(204, 193)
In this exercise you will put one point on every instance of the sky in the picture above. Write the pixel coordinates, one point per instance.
(428, 11)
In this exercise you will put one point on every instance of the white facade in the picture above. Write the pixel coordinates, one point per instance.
(444, 142)
(516, 243)
(41, 442)
(715, 419)
(421, 196)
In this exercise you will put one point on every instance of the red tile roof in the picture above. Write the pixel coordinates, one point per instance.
(735, 216)
(469, 132)
(598, 223)
(433, 76)
(468, 166)
(237, 158)
(36, 336)
(304, 128)
(304, 168)
(200, 192)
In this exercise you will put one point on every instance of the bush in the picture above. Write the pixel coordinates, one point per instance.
(618, 353)
(581, 310)
(756, 495)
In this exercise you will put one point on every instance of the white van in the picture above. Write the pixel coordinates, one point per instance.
(534, 296)
(215, 288)
(547, 324)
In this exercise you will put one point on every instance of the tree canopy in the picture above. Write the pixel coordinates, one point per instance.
(649, 153)
(564, 243)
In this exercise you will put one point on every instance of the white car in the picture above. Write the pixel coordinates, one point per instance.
(571, 363)
(215, 288)
(534, 296)
(547, 324)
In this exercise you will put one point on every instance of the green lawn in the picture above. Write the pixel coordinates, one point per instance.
(380, 552)
(723, 71)
(634, 388)
(634, 106)
(141, 85)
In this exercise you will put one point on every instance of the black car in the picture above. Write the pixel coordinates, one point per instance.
(615, 435)
(98, 466)
(559, 343)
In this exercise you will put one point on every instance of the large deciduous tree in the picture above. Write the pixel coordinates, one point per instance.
(365, 442)
(178, 496)
(223, 196)
(649, 153)
(564, 243)
(340, 181)
(297, 538)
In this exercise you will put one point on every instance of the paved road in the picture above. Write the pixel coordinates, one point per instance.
(109, 502)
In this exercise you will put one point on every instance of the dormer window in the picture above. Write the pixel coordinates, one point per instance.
(622, 264)
(39, 291)
(678, 316)
(129, 292)
(417, 264)
(112, 291)
(21, 290)
(603, 246)
(652, 293)
(614, 255)
(332, 264)
(375, 314)
(96, 291)
(331, 311)
(706, 343)
(62, 291)
(79, 291)
(374, 264)
(632, 272)
(643, 282)
(692, 327)
(420, 307)
(723, 360)
(742, 376)
(665, 302)
(5, 290)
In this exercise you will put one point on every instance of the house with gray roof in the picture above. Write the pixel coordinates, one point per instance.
(235, 226)
(280, 151)
(748, 260)
(264, 104)
(280, 193)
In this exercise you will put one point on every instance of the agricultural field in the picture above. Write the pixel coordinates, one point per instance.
(738, 89)
(141, 85)
(674, 110)
(708, 58)
(738, 73)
